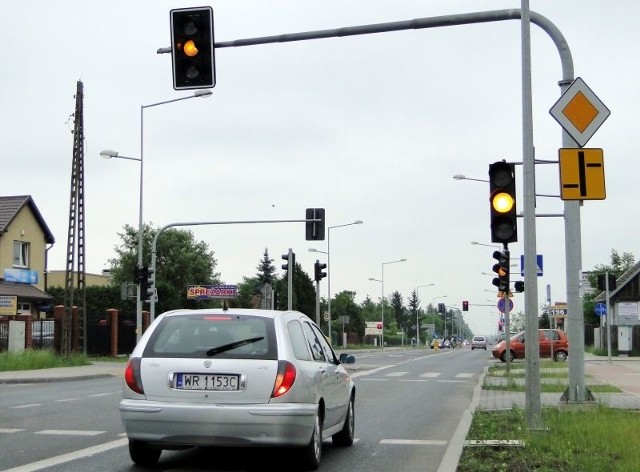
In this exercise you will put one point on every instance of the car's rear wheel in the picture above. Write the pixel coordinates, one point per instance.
(560, 356)
(345, 436)
(143, 454)
(312, 453)
(503, 357)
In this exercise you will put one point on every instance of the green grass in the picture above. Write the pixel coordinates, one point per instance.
(594, 438)
(598, 439)
(32, 359)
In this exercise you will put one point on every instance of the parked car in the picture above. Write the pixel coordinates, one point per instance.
(553, 344)
(479, 342)
(233, 377)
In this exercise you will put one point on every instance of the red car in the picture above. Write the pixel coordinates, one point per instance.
(553, 344)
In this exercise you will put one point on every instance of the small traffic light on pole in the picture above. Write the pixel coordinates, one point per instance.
(192, 48)
(465, 305)
(318, 269)
(502, 199)
(441, 308)
(501, 268)
(290, 257)
(518, 286)
(142, 274)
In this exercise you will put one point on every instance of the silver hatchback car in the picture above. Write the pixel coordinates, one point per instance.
(236, 377)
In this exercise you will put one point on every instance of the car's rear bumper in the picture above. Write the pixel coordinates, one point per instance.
(281, 424)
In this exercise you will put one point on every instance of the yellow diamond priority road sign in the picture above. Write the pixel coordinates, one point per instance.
(580, 112)
(581, 174)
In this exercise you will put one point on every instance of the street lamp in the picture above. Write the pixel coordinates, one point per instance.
(382, 299)
(357, 222)
(113, 154)
(464, 177)
(418, 312)
(476, 243)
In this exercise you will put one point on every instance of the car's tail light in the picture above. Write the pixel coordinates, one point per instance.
(132, 375)
(285, 378)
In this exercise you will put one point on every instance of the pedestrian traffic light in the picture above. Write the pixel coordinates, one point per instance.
(465, 305)
(192, 48)
(314, 230)
(502, 269)
(319, 268)
(290, 257)
(518, 286)
(150, 292)
(502, 199)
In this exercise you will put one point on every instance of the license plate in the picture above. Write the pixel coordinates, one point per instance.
(222, 382)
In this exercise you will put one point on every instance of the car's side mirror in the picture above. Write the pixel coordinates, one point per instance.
(346, 358)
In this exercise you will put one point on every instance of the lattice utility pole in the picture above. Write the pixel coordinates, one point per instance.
(72, 340)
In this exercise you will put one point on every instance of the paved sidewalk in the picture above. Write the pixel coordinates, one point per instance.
(622, 372)
(95, 370)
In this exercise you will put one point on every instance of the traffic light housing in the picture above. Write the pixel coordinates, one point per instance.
(142, 273)
(465, 305)
(518, 286)
(501, 268)
(441, 308)
(314, 230)
(150, 291)
(192, 48)
(290, 257)
(318, 270)
(502, 200)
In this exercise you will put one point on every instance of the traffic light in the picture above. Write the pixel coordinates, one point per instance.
(192, 48)
(141, 278)
(290, 257)
(441, 308)
(465, 305)
(502, 269)
(502, 199)
(314, 230)
(319, 274)
(150, 292)
(518, 286)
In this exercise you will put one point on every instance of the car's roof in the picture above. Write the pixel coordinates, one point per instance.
(232, 311)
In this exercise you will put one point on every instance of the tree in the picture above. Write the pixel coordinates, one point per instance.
(266, 270)
(414, 306)
(303, 295)
(251, 287)
(399, 312)
(180, 261)
(344, 305)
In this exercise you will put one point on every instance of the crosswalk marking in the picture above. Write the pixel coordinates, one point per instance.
(10, 430)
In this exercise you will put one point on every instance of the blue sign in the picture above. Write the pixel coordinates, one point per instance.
(538, 263)
(21, 276)
(501, 304)
(600, 309)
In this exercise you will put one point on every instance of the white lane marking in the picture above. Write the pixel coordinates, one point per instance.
(9, 430)
(396, 374)
(17, 407)
(413, 442)
(70, 432)
(464, 375)
(430, 374)
(101, 394)
(452, 381)
(87, 452)
(68, 400)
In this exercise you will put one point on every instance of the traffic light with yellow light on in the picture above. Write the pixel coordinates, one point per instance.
(502, 199)
(501, 268)
(192, 48)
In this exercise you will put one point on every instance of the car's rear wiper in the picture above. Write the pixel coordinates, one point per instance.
(227, 347)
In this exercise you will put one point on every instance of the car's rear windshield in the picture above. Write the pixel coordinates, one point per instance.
(209, 336)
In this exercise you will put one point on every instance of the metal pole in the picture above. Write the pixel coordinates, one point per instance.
(382, 306)
(329, 280)
(140, 230)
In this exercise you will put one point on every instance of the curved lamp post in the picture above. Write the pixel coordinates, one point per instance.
(108, 154)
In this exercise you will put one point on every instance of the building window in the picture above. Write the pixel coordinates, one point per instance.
(20, 254)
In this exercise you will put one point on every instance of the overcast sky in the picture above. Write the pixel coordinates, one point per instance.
(370, 128)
